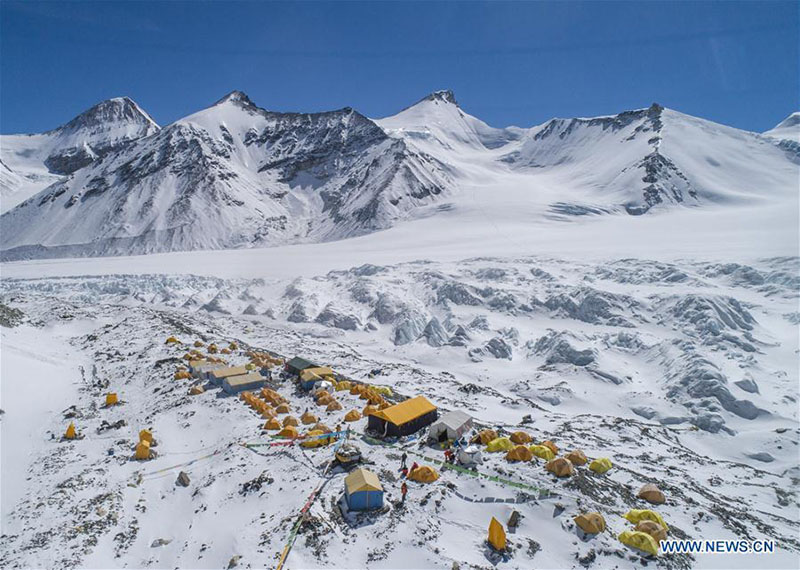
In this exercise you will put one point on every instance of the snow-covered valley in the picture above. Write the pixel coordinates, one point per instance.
(683, 373)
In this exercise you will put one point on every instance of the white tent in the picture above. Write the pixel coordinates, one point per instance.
(451, 425)
(469, 456)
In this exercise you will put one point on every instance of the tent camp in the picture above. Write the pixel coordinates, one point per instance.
(363, 491)
(238, 383)
(450, 426)
(298, 364)
(404, 418)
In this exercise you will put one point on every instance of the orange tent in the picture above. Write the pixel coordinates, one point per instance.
(272, 424)
(352, 416)
(497, 535)
(560, 467)
(308, 418)
(333, 406)
(423, 474)
(520, 437)
(553, 447)
(282, 409)
(519, 453)
(288, 431)
(290, 421)
(576, 457)
(369, 409)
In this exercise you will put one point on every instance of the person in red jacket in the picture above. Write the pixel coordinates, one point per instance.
(403, 491)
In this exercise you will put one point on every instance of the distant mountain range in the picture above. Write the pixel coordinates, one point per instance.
(112, 182)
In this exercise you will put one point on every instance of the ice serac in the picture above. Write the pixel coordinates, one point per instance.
(231, 175)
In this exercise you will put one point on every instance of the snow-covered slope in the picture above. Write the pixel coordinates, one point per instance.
(36, 161)
(235, 175)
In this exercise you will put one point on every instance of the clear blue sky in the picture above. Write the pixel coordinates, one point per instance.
(508, 63)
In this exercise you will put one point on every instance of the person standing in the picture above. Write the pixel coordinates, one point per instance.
(403, 491)
(403, 459)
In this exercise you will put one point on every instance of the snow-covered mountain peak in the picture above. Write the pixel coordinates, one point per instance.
(238, 97)
(787, 130)
(443, 96)
(119, 111)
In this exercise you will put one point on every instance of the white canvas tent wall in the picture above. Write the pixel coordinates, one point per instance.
(451, 425)
(469, 456)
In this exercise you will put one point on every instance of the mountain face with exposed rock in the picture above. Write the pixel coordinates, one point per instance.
(111, 182)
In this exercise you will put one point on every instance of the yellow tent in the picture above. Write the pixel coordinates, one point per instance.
(212, 348)
(290, 421)
(333, 406)
(519, 453)
(182, 375)
(308, 418)
(282, 408)
(552, 446)
(423, 474)
(324, 401)
(600, 465)
(272, 423)
(250, 366)
(71, 433)
(520, 437)
(484, 436)
(560, 467)
(322, 394)
(591, 523)
(288, 431)
(196, 390)
(146, 435)
(636, 515)
(233, 346)
(382, 390)
(576, 457)
(500, 444)
(639, 540)
(497, 535)
(225, 351)
(543, 452)
(343, 385)
(267, 412)
(142, 450)
(369, 409)
(652, 528)
(172, 340)
(357, 388)
(352, 416)
(321, 427)
(315, 442)
(111, 399)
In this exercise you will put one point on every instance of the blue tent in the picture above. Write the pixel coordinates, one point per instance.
(363, 491)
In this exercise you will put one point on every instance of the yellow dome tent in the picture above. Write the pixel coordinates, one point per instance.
(225, 351)
(424, 474)
(143, 450)
(543, 452)
(639, 540)
(233, 346)
(356, 389)
(369, 409)
(324, 401)
(315, 441)
(308, 418)
(500, 444)
(576, 457)
(182, 375)
(71, 432)
(552, 446)
(591, 523)
(636, 515)
(484, 436)
(352, 416)
(290, 421)
(519, 453)
(212, 348)
(652, 528)
(520, 437)
(273, 424)
(560, 467)
(288, 431)
(146, 435)
(343, 385)
(196, 390)
(111, 399)
(282, 409)
(333, 406)
(321, 427)
(267, 412)
(198, 344)
(172, 340)
(322, 394)
(497, 535)
(600, 465)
